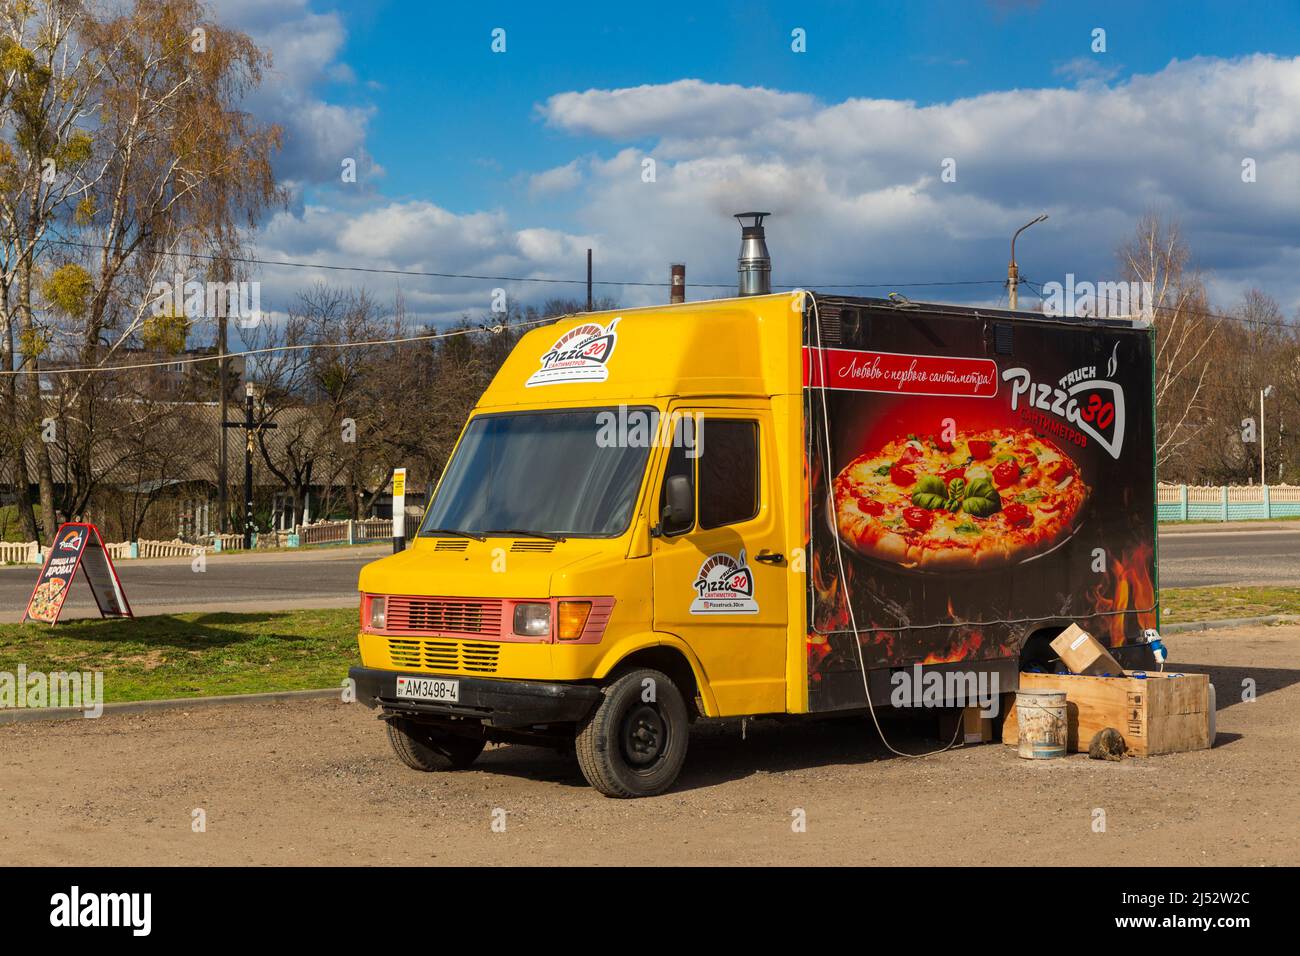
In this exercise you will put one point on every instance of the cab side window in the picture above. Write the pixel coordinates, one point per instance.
(679, 464)
(728, 472)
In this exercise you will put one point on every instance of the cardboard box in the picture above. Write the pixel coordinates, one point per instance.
(1162, 713)
(1084, 654)
(976, 728)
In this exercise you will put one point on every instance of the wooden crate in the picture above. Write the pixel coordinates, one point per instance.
(1161, 714)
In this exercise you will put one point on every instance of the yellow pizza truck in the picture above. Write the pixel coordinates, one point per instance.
(771, 504)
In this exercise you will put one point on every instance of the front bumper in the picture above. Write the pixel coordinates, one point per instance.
(497, 703)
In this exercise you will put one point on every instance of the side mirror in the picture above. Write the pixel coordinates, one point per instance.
(679, 505)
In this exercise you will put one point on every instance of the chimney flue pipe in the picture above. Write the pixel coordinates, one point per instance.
(754, 267)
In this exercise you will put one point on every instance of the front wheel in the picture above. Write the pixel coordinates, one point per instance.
(422, 748)
(634, 743)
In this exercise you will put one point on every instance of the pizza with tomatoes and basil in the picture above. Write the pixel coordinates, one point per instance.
(985, 499)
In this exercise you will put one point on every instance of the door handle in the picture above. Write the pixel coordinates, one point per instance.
(770, 557)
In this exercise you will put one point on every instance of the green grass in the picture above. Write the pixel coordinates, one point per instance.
(11, 526)
(192, 655)
(202, 655)
(1182, 605)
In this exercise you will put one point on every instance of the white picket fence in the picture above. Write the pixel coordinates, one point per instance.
(321, 532)
(345, 532)
(20, 552)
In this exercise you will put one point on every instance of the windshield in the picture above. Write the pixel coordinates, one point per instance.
(544, 472)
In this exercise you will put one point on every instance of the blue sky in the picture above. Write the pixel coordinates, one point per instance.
(513, 163)
(450, 111)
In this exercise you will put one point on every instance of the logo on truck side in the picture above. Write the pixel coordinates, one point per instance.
(1094, 406)
(579, 355)
(725, 585)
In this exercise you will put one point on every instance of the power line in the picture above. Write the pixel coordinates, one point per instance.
(374, 270)
(197, 359)
(1245, 320)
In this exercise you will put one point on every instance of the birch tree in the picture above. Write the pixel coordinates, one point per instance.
(1158, 257)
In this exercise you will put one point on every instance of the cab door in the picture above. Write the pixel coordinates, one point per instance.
(720, 575)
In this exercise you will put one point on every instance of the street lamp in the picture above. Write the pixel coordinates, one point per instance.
(1263, 394)
(1013, 274)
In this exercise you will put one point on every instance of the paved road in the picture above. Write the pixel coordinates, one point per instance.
(254, 582)
(1243, 555)
(1191, 557)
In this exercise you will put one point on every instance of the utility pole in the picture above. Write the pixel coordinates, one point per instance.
(1263, 435)
(250, 426)
(588, 280)
(222, 504)
(1013, 272)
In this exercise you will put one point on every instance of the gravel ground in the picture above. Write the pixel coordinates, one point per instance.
(315, 783)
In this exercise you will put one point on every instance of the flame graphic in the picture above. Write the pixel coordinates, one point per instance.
(1128, 587)
(830, 597)
(965, 647)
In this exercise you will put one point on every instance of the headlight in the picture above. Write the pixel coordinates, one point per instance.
(377, 608)
(533, 620)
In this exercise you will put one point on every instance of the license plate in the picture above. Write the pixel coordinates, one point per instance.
(429, 688)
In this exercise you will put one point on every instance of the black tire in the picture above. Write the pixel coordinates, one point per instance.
(423, 748)
(633, 747)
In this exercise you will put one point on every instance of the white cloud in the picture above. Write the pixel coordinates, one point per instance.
(857, 192)
(689, 107)
(555, 180)
(858, 195)
(304, 47)
(1088, 69)
(415, 236)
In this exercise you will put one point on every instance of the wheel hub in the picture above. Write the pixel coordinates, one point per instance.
(644, 736)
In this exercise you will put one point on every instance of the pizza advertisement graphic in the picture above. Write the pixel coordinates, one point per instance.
(961, 496)
(971, 501)
(77, 547)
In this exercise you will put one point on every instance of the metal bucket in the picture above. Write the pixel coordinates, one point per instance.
(1040, 717)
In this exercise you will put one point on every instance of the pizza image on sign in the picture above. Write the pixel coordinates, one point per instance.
(984, 499)
(45, 601)
(725, 585)
(579, 355)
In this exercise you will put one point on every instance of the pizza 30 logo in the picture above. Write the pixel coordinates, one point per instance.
(1093, 405)
(725, 585)
(579, 355)
(70, 541)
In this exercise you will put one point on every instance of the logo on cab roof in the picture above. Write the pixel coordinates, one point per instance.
(579, 355)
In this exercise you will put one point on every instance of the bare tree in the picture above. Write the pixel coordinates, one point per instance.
(1157, 257)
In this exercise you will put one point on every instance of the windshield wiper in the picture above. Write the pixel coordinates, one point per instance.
(525, 533)
(433, 532)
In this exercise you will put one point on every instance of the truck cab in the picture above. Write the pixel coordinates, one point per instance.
(607, 554)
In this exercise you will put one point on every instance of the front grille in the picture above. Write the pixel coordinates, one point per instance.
(443, 657)
(443, 616)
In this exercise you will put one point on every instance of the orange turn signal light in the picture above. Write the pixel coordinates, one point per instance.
(572, 619)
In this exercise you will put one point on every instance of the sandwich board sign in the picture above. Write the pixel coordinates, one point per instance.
(76, 545)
